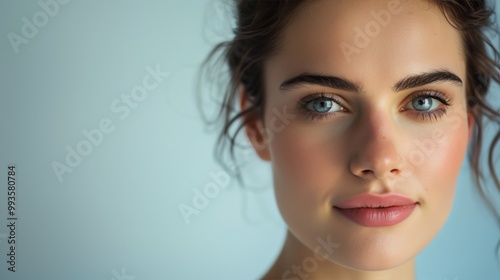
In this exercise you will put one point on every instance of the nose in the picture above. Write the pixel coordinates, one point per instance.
(375, 152)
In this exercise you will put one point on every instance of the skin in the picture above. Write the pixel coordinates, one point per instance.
(366, 144)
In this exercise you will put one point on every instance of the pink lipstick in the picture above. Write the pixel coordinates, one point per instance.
(372, 210)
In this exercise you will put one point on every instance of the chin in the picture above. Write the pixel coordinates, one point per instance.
(371, 249)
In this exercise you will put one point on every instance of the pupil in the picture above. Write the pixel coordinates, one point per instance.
(422, 104)
(323, 106)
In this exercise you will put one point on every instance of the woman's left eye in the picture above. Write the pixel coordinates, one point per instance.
(424, 103)
(428, 105)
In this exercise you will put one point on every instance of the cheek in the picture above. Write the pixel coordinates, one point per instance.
(307, 165)
(435, 162)
(304, 156)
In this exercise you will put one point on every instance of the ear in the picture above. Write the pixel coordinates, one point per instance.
(254, 128)
(470, 121)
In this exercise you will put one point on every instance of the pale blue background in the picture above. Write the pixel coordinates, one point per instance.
(117, 213)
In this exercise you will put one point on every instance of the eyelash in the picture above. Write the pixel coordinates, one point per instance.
(312, 116)
(437, 113)
(430, 115)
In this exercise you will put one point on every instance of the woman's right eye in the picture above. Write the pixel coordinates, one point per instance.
(320, 106)
(323, 105)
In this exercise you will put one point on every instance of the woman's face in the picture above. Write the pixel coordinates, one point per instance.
(383, 111)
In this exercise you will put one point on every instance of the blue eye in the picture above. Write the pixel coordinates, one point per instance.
(323, 105)
(424, 103)
(428, 105)
(320, 106)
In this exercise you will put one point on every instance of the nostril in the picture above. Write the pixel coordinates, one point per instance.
(366, 172)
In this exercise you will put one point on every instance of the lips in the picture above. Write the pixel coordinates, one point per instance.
(371, 210)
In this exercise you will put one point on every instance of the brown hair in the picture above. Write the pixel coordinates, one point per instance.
(257, 35)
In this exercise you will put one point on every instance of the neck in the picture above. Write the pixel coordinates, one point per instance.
(296, 261)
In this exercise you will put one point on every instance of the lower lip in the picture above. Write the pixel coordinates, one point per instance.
(378, 217)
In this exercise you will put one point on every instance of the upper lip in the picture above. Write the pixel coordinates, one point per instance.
(374, 201)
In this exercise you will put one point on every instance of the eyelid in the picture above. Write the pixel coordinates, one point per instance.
(310, 115)
(325, 95)
(438, 95)
(433, 115)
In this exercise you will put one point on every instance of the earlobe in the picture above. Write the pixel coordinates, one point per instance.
(254, 128)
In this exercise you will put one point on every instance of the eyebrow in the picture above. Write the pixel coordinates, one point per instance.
(427, 78)
(344, 84)
(322, 80)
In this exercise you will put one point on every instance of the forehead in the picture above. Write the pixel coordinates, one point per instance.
(377, 41)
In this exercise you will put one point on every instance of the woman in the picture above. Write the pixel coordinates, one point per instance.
(365, 110)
